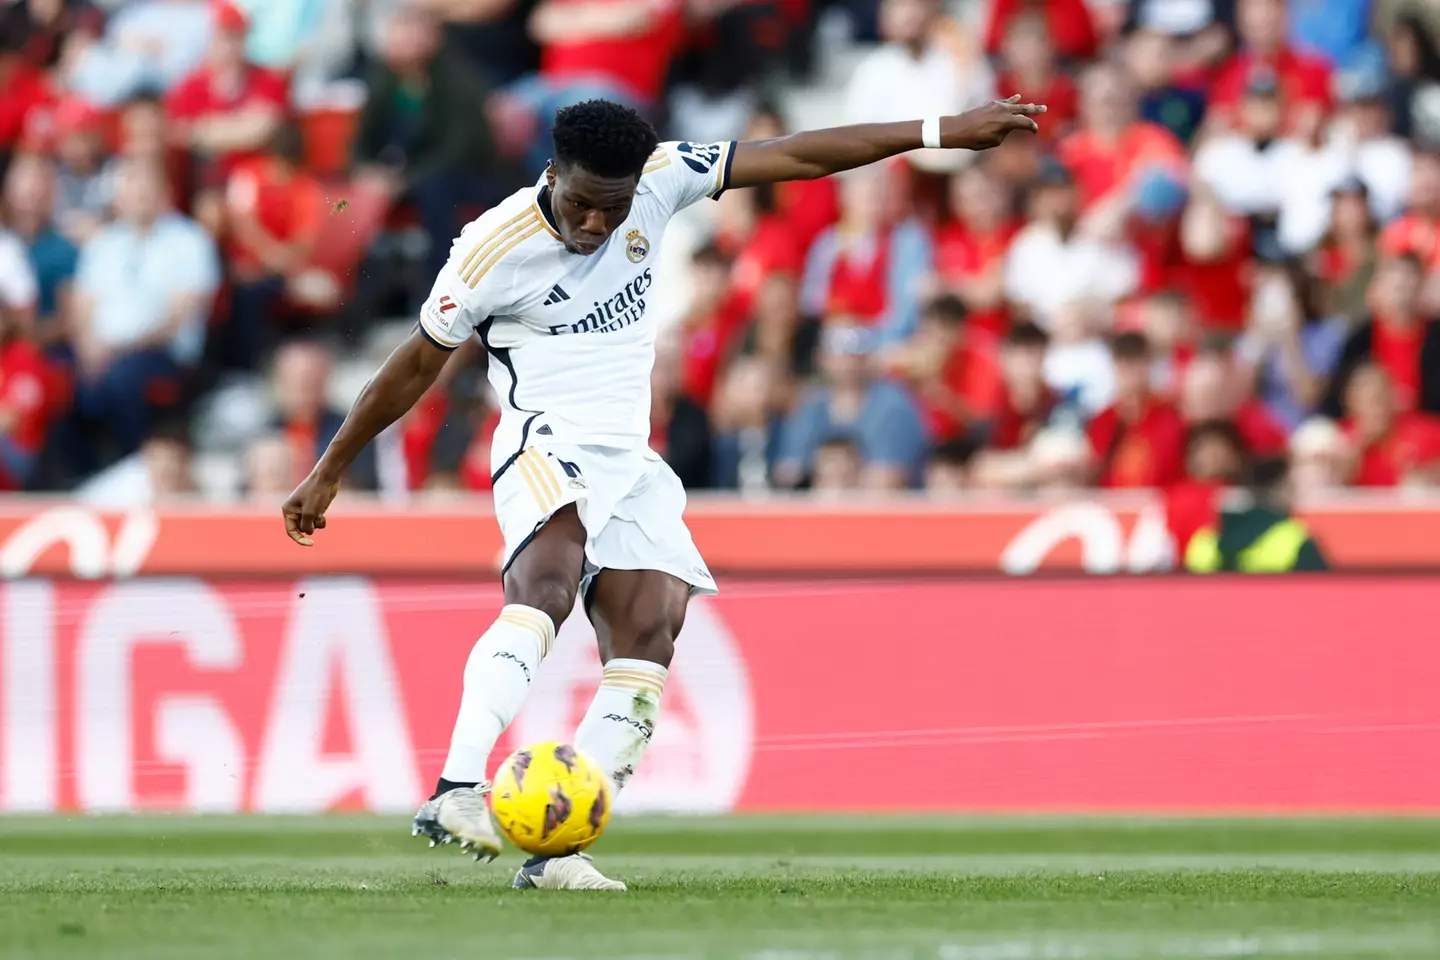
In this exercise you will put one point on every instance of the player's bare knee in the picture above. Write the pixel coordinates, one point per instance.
(649, 638)
(552, 593)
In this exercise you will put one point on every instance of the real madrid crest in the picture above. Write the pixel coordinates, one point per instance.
(636, 246)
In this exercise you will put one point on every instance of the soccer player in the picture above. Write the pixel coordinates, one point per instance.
(553, 281)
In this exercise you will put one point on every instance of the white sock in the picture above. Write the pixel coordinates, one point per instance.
(621, 718)
(498, 674)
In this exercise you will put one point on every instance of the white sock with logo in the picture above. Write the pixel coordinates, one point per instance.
(621, 718)
(498, 674)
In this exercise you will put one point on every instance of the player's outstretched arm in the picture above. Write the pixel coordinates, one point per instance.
(401, 381)
(819, 153)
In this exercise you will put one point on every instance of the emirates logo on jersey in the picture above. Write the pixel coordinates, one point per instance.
(636, 246)
(616, 313)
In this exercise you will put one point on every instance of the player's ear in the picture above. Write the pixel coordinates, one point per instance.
(550, 174)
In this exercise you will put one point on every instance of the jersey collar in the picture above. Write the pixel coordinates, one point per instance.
(547, 215)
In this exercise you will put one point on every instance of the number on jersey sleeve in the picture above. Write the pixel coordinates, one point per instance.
(476, 281)
(684, 173)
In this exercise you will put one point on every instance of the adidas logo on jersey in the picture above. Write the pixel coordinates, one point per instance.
(556, 296)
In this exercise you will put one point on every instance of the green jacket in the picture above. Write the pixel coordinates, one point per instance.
(1254, 540)
(440, 129)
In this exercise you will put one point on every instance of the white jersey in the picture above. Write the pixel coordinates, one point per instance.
(570, 347)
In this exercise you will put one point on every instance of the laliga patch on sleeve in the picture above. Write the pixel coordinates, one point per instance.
(700, 157)
(441, 312)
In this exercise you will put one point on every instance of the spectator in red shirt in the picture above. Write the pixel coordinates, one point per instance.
(758, 239)
(273, 213)
(22, 87)
(1068, 21)
(806, 206)
(944, 370)
(1418, 231)
(970, 248)
(1167, 321)
(1030, 71)
(24, 404)
(1213, 390)
(865, 267)
(228, 109)
(1399, 337)
(1209, 260)
(1026, 401)
(1112, 142)
(1393, 446)
(609, 49)
(706, 329)
(1304, 79)
(1139, 440)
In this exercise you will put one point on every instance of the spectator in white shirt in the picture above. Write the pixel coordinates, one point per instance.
(18, 289)
(144, 289)
(927, 66)
(1247, 169)
(1360, 145)
(1053, 264)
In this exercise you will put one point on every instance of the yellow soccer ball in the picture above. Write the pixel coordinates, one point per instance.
(551, 800)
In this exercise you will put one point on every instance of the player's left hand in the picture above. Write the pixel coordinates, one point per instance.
(305, 510)
(988, 126)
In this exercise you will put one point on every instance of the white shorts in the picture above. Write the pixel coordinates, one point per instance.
(629, 501)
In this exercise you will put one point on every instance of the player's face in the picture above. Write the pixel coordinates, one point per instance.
(588, 208)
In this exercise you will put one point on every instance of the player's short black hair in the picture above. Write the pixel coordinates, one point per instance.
(1027, 335)
(603, 138)
(1130, 345)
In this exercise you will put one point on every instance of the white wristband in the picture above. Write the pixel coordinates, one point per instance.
(930, 132)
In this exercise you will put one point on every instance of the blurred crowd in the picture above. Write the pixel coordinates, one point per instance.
(1223, 248)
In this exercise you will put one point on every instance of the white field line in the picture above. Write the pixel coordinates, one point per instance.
(1135, 945)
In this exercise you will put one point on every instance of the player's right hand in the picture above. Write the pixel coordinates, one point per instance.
(305, 510)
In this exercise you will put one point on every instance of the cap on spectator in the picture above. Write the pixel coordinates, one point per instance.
(1351, 185)
(230, 18)
(1262, 82)
(848, 340)
(74, 115)
(1053, 173)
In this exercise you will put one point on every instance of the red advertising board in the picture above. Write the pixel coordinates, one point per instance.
(1107, 534)
(1115, 694)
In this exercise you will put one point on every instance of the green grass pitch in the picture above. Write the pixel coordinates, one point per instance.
(812, 888)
